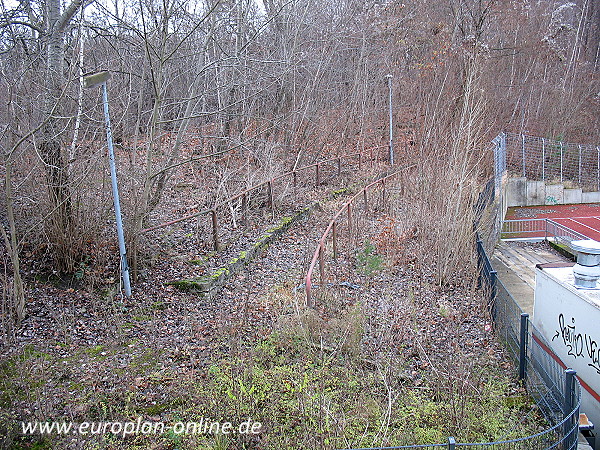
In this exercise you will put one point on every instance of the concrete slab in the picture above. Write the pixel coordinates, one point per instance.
(516, 191)
(536, 193)
(522, 292)
(554, 194)
(590, 197)
(572, 196)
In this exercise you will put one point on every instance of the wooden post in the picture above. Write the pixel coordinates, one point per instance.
(339, 161)
(215, 227)
(365, 198)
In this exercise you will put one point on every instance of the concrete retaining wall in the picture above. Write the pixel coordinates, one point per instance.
(523, 192)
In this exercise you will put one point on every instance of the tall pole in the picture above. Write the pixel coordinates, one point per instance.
(115, 190)
(90, 81)
(389, 78)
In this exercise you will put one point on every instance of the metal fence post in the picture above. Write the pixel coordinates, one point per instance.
(349, 220)
(215, 227)
(561, 162)
(334, 237)
(451, 443)
(493, 278)
(523, 153)
(244, 209)
(543, 159)
(523, 341)
(579, 164)
(322, 263)
(391, 148)
(478, 246)
(318, 180)
(568, 405)
(598, 171)
(271, 202)
(339, 163)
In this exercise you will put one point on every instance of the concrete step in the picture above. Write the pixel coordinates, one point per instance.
(521, 291)
(515, 264)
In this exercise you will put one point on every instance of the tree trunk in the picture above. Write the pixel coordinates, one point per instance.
(61, 221)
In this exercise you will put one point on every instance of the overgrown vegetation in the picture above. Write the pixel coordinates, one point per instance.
(309, 387)
(209, 98)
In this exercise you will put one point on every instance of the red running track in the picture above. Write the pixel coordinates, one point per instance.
(584, 218)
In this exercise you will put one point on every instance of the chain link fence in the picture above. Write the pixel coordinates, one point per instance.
(553, 161)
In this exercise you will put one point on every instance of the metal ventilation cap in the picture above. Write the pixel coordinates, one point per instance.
(586, 246)
(587, 269)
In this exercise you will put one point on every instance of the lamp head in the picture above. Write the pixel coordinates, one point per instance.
(95, 79)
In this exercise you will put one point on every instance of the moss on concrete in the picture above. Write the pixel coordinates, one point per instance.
(210, 284)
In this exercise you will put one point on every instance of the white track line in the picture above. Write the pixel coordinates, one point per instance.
(584, 225)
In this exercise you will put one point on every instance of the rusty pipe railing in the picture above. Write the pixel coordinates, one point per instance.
(269, 184)
(319, 254)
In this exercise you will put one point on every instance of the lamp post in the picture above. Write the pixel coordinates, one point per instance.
(91, 81)
(389, 78)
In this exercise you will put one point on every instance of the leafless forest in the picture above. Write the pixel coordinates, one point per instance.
(211, 97)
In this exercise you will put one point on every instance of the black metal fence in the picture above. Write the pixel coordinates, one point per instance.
(556, 391)
(554, 388)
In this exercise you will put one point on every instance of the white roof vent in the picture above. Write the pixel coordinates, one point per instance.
(587, 269)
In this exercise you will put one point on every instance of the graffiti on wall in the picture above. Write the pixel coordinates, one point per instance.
(579, 344)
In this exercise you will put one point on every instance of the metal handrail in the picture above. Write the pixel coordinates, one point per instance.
(319, 253)
(549, 227)
(268, 183)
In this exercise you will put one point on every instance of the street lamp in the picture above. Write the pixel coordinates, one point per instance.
(389, 78)
(91, 81)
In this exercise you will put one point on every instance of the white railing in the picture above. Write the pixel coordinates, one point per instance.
(546, 229)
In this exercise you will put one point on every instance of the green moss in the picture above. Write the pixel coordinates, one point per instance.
(196, 284)
(243, 255)
(155, 410)
(141, 318)
(30, 352)
(160, 306)
(219, 272)
(32, 443)
(95, 350)
(76, 386)
(201, 261)
(282, 223)
(148, 358)
(339, 192)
